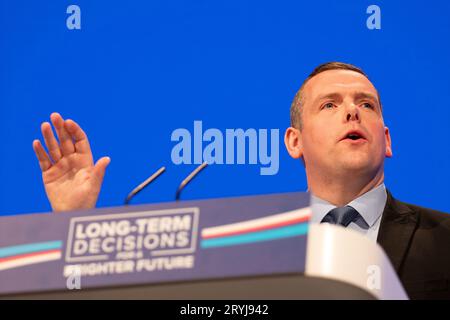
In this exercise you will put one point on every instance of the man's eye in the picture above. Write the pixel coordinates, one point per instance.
(368, 105)
(328, 105)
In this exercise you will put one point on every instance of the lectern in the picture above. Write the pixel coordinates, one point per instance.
(256, 247)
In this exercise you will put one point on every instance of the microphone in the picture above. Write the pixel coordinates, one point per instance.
(144, 184)
(189, 179)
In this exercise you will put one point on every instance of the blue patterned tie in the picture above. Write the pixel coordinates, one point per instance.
(341, 215)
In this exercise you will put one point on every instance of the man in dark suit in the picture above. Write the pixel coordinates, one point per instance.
(417, 241)
(337, 129)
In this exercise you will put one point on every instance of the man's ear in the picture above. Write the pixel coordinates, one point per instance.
(293, 142)
(388, 152)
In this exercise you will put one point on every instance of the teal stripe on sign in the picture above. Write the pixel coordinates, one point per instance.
(266, 235)
(29, 248)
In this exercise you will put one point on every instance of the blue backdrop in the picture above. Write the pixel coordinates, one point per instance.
(137, 70)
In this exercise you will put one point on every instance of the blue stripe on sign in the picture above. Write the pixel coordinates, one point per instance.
(266, 235)
(28, 248)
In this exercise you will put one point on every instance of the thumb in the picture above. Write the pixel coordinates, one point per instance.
(100, 167)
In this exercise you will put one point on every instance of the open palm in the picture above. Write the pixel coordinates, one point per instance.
(71, 179)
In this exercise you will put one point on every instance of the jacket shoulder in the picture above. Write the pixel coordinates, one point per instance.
(428, 217)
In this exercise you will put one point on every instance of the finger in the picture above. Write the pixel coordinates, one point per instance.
(100, 167)
(42, 156)
(80, 139)
(50, 142)
(65, 140)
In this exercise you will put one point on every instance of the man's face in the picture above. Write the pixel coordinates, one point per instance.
(343, 128)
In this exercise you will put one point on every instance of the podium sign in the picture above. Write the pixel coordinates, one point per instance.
(154, 244)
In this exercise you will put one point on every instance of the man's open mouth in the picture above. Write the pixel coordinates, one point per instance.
(354, 135)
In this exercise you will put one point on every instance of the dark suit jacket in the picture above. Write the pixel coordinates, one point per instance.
(417, 241)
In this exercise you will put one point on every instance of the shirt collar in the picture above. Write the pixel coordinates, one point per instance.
(370, 205)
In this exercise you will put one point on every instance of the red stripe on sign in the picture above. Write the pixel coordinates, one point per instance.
(28, 255)
(259, 228)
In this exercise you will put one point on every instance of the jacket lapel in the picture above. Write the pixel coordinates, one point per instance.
(397, 227)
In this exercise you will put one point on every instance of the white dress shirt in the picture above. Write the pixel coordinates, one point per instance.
(370, 206)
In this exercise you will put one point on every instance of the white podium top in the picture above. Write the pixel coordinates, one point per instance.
(338, 253)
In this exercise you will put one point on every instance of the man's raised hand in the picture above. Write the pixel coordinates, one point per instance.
(71, 179)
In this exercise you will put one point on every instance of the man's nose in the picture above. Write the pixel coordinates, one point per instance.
(352, 113)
